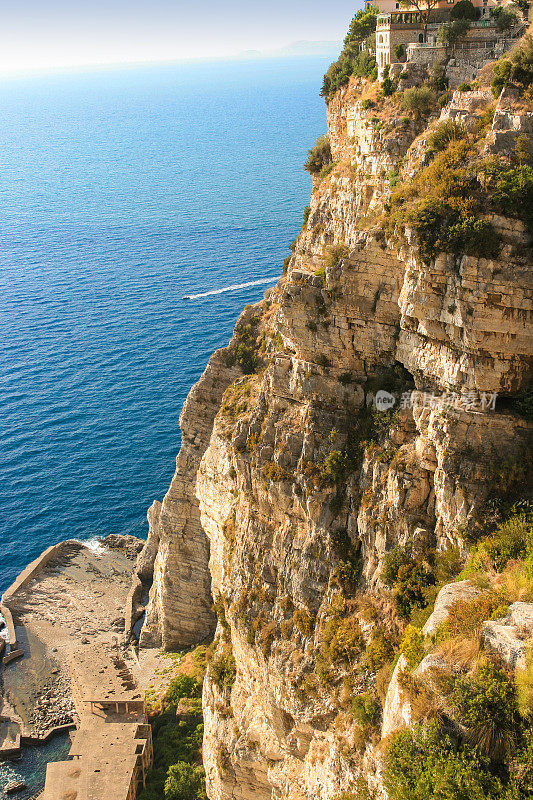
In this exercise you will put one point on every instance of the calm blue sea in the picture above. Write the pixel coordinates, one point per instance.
(121, 191)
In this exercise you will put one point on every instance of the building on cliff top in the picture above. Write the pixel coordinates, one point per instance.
(387, 6)
(481, 43)
(112, 749)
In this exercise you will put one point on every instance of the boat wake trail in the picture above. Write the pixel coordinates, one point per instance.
(232, 288)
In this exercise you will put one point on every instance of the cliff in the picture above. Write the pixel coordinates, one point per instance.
(293, 487)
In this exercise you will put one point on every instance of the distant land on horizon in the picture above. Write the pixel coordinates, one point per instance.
(300, 48)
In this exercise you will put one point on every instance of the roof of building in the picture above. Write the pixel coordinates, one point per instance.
(102, 758)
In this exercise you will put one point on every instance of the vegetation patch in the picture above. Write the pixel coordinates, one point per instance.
(319, 156)
(517, 69)
(424, 762)
(349, 561)
(412, 646)
(512, 539)
(334, 255)
(341, 642)
(444, 206)
(379, 651)
(421, 100)
(222, 669)
(446, 132)
(485, 704)
(409, 574)
(177, 773)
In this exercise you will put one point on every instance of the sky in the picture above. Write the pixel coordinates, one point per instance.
(44, 34)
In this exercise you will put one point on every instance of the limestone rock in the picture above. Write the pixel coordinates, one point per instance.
(263, 491)
(397, 711)
(179, 609)
(509, 636)
(448, 595)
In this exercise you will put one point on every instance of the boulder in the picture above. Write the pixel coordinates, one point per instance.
(508, 636)
(396, 711)
(462, 590)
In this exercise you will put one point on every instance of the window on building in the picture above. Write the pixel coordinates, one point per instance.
(421, 38)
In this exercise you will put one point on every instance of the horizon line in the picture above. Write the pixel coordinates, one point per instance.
(245, 55)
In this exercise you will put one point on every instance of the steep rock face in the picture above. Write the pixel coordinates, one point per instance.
(462, 324)
(179, 611)
(281, 731)
(285, 470)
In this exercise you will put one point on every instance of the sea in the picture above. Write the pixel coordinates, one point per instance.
(141, 209)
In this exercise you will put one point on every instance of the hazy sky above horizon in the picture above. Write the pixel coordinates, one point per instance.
(37, 34)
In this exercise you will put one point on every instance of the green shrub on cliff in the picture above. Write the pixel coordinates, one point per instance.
(524, 692)
(513, 193)
(439, 231)
(223, 670)
(412, 646)
(177, 773)
(245, 352)
(445, 204)
(334, 254)
(409, 575)
(182, 686)
(424, 763)
(334, 466)
(511, 539)
(379, 651)
(517, 68)
(246, 358)
(448, 131)
(486, 706)
(185, 782)
(319, 156)
(420, 100)
(341, 641)
(349, 564)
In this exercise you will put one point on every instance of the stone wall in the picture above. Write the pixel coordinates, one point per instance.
(20, 582)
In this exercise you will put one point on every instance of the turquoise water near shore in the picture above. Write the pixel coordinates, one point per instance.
(31, 768)
(121, 192)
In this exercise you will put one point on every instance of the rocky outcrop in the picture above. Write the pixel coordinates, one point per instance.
(179, 611)
(448, 595)
(397, 711)
(509, 636)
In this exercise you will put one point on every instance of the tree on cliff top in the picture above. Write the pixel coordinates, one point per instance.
(353, 59)
(424, 8)
(464, 9)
